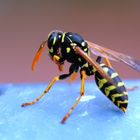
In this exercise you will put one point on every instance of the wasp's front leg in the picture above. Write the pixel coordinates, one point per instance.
(45, 91)
(61, 77)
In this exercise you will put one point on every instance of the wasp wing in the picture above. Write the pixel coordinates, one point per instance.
(113, 55)
(94, 64)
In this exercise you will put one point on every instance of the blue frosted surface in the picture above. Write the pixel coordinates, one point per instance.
(95, 117)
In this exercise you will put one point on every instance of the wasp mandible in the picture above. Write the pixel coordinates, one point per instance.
(71, 47)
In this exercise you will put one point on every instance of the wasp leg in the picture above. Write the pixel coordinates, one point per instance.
(83, 75)
(72, 77)
(61, 77)
(132, 88)
(73, 69)
(45, 91)
(107, 62)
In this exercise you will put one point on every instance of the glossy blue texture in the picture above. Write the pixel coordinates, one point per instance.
(95, 117)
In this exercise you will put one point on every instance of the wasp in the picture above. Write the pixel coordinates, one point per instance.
(73, 48)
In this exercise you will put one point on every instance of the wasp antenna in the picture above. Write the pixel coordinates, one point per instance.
(38, 54)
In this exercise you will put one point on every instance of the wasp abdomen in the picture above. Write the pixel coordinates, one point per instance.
(116, 93)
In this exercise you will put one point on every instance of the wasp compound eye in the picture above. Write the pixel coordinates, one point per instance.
(54, 39)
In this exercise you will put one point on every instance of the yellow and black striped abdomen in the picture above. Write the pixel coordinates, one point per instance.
(117, 94)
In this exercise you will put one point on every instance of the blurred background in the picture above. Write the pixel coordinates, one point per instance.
(25, 24)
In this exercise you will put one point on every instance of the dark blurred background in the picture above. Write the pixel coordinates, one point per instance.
(25, 24)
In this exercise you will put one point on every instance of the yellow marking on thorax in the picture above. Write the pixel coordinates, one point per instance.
(85, 49)
(68, 49)
(85, 65)
(51, 50)
(73, 44)
(54, 40)
(63, 37)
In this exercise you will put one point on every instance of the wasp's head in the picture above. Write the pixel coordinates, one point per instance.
(54, 39)
(54, 45)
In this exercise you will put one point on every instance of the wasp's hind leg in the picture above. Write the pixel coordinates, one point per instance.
(83, 77)
(132, 88)
(106, 61)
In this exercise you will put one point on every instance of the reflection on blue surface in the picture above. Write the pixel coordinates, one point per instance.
(95, 117)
